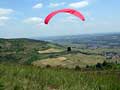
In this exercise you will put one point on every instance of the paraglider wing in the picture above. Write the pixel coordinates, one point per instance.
(70, 11)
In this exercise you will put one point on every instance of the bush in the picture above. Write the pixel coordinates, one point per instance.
(87, 66)
(77, 67)
(104, 63)
(48, 66)
(99, 65)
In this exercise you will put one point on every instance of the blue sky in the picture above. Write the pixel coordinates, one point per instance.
(24, 18)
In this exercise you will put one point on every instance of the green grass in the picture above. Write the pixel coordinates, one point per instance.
(21, 77)
(83, 60)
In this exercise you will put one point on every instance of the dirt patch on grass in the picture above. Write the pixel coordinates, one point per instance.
(51, 50)
(52, 62)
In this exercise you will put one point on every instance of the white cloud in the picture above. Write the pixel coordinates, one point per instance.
(80, 4)
(3, 20)
(34, 20)
(5, 11)
(39, 5)
(56, 4)
(4, 15)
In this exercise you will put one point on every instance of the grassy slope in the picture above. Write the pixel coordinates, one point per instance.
(26, 51)
(71, 60)
(22, 77)
(33, 78)
(23, 50)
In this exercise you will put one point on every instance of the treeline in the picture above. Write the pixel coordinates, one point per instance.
(101, 66)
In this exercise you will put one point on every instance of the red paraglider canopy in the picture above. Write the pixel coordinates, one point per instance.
(70, 11)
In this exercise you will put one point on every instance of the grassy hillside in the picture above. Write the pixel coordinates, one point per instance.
(17, 74)
(23, 50)
(41, 53)
(19, 77)
(70, 60)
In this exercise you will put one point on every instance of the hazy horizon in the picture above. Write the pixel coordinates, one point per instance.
(42, 37)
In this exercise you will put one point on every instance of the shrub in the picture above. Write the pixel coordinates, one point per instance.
(104, 63)
(48, 66)
(87, 66)
(77, 67)
(99, 65)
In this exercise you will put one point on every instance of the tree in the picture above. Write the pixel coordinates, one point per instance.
(69, 49)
